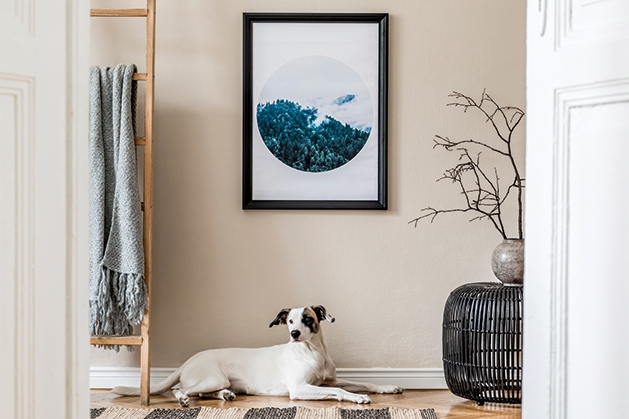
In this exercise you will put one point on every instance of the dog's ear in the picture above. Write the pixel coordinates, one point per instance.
(281, 317)
(322, 314)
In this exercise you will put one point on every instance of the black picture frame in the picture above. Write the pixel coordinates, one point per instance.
(274, 46)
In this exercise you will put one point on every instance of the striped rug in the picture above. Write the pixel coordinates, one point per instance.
(262, 413)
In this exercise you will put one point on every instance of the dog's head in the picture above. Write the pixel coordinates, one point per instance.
(303, 322)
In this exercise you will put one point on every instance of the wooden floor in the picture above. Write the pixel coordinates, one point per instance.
(445, 403)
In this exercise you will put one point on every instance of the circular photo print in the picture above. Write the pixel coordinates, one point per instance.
(315, 114)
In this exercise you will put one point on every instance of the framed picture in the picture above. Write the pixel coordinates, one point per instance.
(315, 111)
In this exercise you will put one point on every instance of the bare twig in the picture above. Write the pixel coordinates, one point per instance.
(482, 194)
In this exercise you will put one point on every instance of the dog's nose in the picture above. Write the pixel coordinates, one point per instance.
(294, 334)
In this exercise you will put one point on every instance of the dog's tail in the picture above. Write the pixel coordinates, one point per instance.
(160, 388)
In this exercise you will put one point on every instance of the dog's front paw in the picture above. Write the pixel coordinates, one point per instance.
(362, 399)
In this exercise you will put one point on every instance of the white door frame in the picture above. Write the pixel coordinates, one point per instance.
(44, 53)
(577, 62)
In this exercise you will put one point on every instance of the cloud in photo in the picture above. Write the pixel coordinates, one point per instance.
(326, 84)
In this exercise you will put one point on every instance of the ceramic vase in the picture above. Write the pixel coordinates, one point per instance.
(507, 262)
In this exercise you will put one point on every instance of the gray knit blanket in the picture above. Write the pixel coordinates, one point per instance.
(118, 295)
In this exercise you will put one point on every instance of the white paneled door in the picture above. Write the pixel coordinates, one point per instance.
(576, 331)
(43, 209)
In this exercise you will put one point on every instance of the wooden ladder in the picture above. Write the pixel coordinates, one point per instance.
(143, 339)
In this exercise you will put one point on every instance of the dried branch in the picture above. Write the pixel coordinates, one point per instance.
(449, 145)
(484, 196)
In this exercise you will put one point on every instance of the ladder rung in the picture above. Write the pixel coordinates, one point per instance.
(119, 13)
(140, 141)
(135, 340)
(139, 76)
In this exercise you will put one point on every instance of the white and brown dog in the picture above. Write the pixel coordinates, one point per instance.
(301, 368)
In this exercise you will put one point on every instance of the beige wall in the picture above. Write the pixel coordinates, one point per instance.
(221, 273)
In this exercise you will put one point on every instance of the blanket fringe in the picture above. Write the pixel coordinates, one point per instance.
(123, 299)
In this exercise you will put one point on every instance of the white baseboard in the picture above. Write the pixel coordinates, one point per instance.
(409, 378)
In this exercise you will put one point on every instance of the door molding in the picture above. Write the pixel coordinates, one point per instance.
(567, 100)
(19, 90)
(583, 22)
(44, 55)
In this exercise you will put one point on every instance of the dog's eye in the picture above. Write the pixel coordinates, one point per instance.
(290, 321)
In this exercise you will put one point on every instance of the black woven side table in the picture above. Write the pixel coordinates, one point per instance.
(482, 342)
